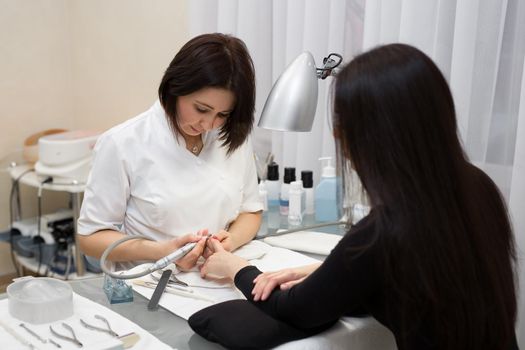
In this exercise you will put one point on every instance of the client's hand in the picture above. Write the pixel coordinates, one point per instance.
(190, 259)
(225, 238)
(286, 278)
(221, 265)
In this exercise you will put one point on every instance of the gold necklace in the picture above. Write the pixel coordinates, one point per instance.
(195, 149)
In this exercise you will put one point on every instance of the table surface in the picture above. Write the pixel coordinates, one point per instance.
(166, 326)
(169, 328)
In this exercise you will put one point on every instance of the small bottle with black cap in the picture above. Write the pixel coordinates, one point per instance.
(273, 186)
(308, 186)
(289, 176)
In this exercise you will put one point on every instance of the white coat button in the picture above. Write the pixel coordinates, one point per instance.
(199, 162)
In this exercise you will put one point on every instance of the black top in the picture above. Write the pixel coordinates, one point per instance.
(349, 282)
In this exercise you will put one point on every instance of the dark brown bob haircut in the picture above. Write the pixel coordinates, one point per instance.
(219, 61)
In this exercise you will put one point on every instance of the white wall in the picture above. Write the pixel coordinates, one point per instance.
(77, 64)
(121, 50)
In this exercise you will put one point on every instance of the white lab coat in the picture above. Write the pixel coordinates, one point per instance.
(145, 182)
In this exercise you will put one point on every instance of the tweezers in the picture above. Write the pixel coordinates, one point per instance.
(72, 339)
(95, 328)
(173, 279)
(174, 289)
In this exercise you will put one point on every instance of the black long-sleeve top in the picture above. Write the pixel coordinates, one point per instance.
(349, 282)
(336, 288)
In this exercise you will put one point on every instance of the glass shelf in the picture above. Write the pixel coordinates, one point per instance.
(273, 222)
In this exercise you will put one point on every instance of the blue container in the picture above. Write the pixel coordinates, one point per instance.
(326, 206)
(325, 197)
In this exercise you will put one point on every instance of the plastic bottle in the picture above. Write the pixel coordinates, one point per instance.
(296, 208)
(272, 185)
(308, 187)
(326, 206)
(263, 195)
(289, 176)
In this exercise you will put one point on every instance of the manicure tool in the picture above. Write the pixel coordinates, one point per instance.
(170, 285)
(176, 285)
(54, 343)
(17, 336)
(177, 291)
(159, 289)
(176, 255)
(172, 280)
(95, 328)
(33, 333)
(180, 284)
(157, 265)
(72, 339)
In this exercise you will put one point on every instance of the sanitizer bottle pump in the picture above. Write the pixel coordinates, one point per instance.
(326, 206)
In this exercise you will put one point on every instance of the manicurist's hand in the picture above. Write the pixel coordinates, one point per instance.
(285, 279)
(221, 265)
(190, 259)
(225, 238)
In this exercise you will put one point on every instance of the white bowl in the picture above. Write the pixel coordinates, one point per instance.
(40, 300)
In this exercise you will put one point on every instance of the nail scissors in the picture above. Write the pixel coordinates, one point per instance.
(100, 329)
(73, 337)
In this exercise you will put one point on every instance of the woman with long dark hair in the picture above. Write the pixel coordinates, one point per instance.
(433, 261)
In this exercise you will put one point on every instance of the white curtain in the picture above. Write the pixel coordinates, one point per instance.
(479, 45)
(276, 32)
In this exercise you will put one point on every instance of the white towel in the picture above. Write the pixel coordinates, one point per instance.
(83, 309)
(306, 241)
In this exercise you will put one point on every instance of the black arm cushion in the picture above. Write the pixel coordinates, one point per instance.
(238, 324)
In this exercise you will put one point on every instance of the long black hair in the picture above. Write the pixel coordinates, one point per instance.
(213, 60)
(444, 228)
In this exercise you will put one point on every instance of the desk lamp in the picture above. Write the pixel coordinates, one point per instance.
(292, 103)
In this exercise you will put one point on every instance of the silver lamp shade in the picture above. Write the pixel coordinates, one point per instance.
(292, 101)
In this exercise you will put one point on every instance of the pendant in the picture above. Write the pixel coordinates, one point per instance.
(195, 149)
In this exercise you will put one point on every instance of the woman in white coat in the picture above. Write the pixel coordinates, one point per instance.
(182, 169)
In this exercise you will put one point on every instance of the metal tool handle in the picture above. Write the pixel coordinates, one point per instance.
(72, 339)
(55, 343)
(33, 333)
(95, 328)
(110, 331)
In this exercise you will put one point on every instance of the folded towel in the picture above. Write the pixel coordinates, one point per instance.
(306, 241)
